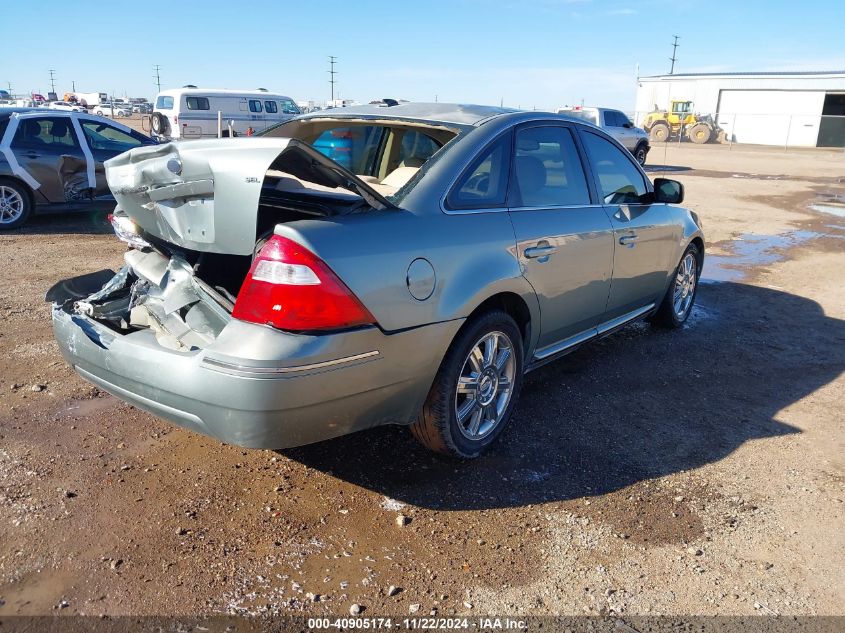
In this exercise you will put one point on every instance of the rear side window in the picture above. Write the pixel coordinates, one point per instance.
(615, 118)
(619, 180)
(547, 169)
(586, 115)
(197, 103)
(164, 103)
(47, 133)
(254, 105)
(271, 107)
(484, 184)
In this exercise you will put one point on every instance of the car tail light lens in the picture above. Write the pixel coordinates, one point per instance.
(290, 288)
(126, 230)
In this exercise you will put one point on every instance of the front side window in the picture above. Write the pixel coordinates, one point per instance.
(47, 133)
(547, 169)
(289, 107)
(254, 105)
(102, 136)
(164, 103)
(271, 107)
(484, 184)
(197, 103)
(619, 180)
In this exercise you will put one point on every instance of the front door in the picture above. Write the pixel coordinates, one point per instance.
(107, 141)
(564, 240)
(645, 235)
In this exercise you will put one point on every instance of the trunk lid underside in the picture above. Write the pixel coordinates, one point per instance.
(204, 195)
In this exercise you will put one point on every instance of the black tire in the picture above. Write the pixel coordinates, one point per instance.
(667, 316)
(640, 153)
(699, 133)
(159, 123)
(18, 195)
(437, 427)
(659, 132)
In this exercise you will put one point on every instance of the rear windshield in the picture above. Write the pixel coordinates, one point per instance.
(587, 115)
(164, 103)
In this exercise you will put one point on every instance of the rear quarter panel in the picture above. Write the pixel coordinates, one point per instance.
(473, 257)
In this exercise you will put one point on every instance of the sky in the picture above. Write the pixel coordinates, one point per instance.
(530, 54)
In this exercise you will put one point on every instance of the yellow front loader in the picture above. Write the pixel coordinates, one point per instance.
(679, 120)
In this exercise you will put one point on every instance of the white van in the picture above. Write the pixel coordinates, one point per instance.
(192, 112)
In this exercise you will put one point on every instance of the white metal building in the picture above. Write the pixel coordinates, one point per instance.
(775, 108)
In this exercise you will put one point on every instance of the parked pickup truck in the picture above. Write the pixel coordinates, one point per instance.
(616, 124)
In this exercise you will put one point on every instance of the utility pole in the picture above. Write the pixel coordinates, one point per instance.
(673, 58)
(52, 80)
(157, 76)
(73, 86)
(332, 72)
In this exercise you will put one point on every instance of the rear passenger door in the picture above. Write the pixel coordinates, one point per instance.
(645, 233)
(564, 237)
(49, 150)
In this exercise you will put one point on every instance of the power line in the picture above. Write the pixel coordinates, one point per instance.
(52, 80)
(332, 73)
(674, 50)
(157, 76)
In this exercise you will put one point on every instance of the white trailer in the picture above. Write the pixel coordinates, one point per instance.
(91, 99)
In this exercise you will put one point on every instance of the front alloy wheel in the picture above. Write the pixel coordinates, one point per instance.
(684, 290)
(677, 304)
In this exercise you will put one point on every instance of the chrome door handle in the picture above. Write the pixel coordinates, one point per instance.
(535, 252)
(627, 240)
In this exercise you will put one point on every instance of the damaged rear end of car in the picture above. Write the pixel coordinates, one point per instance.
(216, 322)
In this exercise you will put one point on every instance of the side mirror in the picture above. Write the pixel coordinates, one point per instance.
(628, 125)
(668, 191)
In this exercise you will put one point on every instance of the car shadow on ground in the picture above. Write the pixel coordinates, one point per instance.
(640, 404)
(94, 222)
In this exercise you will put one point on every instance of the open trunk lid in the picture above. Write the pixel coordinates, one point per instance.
(204, 195)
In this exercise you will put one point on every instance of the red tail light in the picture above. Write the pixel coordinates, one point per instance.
(290, 288)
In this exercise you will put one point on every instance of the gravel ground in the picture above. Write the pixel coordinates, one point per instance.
(690, 472)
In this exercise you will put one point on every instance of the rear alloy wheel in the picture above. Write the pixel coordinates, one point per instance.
(15, 205)
(475, 390)
(680, 297)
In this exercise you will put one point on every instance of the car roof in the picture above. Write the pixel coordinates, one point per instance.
(25, 112)
(449, 113)
(29, 113)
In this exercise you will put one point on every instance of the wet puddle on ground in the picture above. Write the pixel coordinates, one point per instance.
(830, 203)
(750, 250)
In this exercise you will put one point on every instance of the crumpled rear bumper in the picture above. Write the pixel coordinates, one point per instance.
(260, 388)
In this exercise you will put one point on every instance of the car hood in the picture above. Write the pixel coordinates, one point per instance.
(204, 194)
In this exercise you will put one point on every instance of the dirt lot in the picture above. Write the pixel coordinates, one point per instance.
(690, 472)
